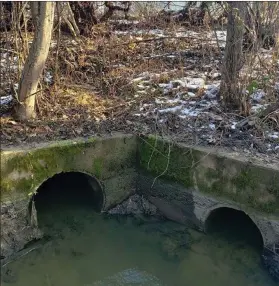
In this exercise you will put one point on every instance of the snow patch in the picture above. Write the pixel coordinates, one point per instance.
(258, 95)
(48, 77)
(4, 100)
(274, 135)
(171, 109)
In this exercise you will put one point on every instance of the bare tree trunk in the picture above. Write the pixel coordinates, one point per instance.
(35, 12)
(67, 15)
(230, 89)
(43, 13)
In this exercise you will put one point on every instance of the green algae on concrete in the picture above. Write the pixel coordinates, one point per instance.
(22, 172)
(208, 172)
(97, 167)
(162, 158)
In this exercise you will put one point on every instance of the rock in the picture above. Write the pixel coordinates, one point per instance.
(149, 208)
(134, 205)
(168, 210)
(270, 259)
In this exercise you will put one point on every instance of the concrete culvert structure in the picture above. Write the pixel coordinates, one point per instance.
(69, 190)
(235, 226)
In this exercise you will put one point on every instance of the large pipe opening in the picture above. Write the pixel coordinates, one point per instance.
(65, 196)
(234, 226)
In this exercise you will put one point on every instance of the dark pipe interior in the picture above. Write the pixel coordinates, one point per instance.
(68, 191)
(235, 226)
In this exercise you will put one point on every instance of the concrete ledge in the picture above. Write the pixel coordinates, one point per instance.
(192, 207)
(218, 174)
(24, 171)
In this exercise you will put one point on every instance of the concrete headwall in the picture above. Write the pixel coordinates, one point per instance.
(221, 175)
(193, 208)
(189, 182)
(111, 161)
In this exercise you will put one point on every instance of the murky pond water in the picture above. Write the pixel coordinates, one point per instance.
(89, 249)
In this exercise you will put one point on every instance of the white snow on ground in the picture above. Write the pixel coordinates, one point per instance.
(171, 109)
(185, 33)
(195, 105)
(212, 126)
(6, 99)
(258, 95)
(170, 101)
(233, 127)
(181, 97)
(124, 21)
(221, 36)
(258, 107)
(48, 77)
(140, 32)
(138, 79)
(273, 135)
(182, 107)
(189, 112)
(193, 35)
(192, 84)
(8, 62)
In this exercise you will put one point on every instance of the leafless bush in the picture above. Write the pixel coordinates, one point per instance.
(14, 44)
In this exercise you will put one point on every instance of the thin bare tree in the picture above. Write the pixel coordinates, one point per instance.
(230, 89)
(43, 17)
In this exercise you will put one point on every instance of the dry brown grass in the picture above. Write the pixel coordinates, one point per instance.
(92, 78)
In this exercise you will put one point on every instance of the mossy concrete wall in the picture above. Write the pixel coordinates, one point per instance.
(252, 185)
(109, 160)
(193, 208)
(188, 183)
(220, 175)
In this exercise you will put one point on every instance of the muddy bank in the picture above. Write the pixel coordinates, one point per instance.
(16, 229)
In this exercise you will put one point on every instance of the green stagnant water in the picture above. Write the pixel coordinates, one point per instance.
(85, 248)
